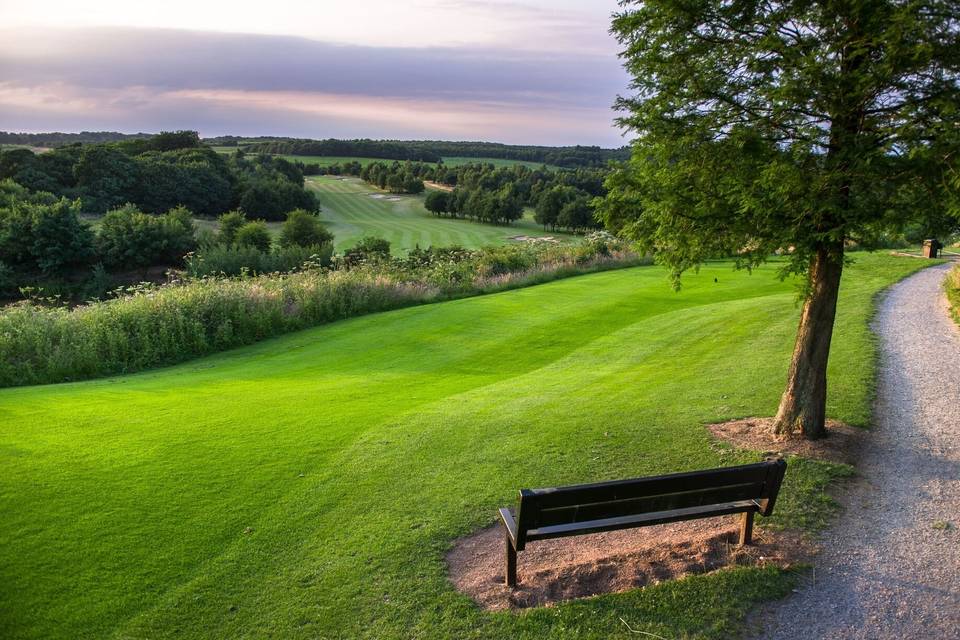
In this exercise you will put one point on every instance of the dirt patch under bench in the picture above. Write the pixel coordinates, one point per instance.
(841, 444)
(551, 571)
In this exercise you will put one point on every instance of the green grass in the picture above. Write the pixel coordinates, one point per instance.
(309, 486)
(351, 213)
(456, 161)
(451, 161)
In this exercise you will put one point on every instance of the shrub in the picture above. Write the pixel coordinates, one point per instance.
(254, 234)
(229, 223)
(368, 249)
(303, 229)
(129, 238)
(221, 260)
(43, 235)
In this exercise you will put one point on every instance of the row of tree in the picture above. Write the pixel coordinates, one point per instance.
(395, 178)
(436, 150)
(159, 173)
(494, 207)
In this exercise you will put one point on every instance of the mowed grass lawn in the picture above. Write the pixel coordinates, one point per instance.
(350, 211)
(309, 486)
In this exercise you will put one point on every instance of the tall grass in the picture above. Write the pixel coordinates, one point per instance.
(952, 285)
(156, 326)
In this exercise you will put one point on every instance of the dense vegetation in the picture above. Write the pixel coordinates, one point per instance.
(310, 486)
(158, 173)
(161, 325)
(150, 190)
(796, 127)
(435, 150)
(58, 139)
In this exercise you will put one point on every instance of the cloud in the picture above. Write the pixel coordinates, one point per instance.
(466, 92)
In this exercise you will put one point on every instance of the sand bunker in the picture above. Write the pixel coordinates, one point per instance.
(552, 571)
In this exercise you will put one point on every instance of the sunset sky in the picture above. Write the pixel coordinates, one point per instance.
(527, 71)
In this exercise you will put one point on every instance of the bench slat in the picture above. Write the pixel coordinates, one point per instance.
(647, 504)
(644, 487)
(627, 522)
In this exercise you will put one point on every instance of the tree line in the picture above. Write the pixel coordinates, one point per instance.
(45, 242)
(161, 172)
(435, 150)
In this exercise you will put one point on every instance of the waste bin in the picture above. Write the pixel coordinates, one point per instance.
(931, 248)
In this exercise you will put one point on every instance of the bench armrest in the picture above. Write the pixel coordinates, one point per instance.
(509, 524)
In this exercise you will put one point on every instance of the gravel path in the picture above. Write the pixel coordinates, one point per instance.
(891, 566)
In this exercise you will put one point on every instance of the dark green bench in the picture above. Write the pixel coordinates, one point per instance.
(623, 504)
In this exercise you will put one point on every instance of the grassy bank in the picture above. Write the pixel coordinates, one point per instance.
(309, 486)
(176, 322)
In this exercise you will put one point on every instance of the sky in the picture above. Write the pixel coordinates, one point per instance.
(514, 71)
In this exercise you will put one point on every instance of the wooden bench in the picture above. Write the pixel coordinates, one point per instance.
(623, 504)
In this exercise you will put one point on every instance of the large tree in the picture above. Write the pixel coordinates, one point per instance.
(797, 127)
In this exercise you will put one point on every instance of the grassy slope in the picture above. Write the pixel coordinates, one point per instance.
(351, 213)
(356, 452)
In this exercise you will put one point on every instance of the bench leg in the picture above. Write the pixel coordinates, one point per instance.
(746, 528)
(511, 567)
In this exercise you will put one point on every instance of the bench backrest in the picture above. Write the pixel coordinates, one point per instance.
(587, 502)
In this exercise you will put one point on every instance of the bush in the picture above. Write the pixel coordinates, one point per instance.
(303, 229)
(229, 223)
(254, 234)
(129, 238)
(234, 261)
(368, 249)
(43, 235)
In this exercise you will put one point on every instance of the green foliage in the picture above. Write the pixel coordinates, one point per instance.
(437, 202)
(442, 151)
(159, 173)
(304, 229)
(271, 199)
(220, 260)
(254, 234)
(129, 238)
(367, 249)
(197, 178)
(229, 224)
(770, 127)
(107, 177)
(952, 285)
(151, 326)
(39, 233)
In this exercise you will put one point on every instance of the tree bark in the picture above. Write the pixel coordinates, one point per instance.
(803, 407)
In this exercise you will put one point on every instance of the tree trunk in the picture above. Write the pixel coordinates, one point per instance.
(803, 406)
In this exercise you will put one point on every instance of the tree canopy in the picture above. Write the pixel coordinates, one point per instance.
(794, 127)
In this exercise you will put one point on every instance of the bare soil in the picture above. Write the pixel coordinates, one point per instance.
(842, 443)
(551, 571)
